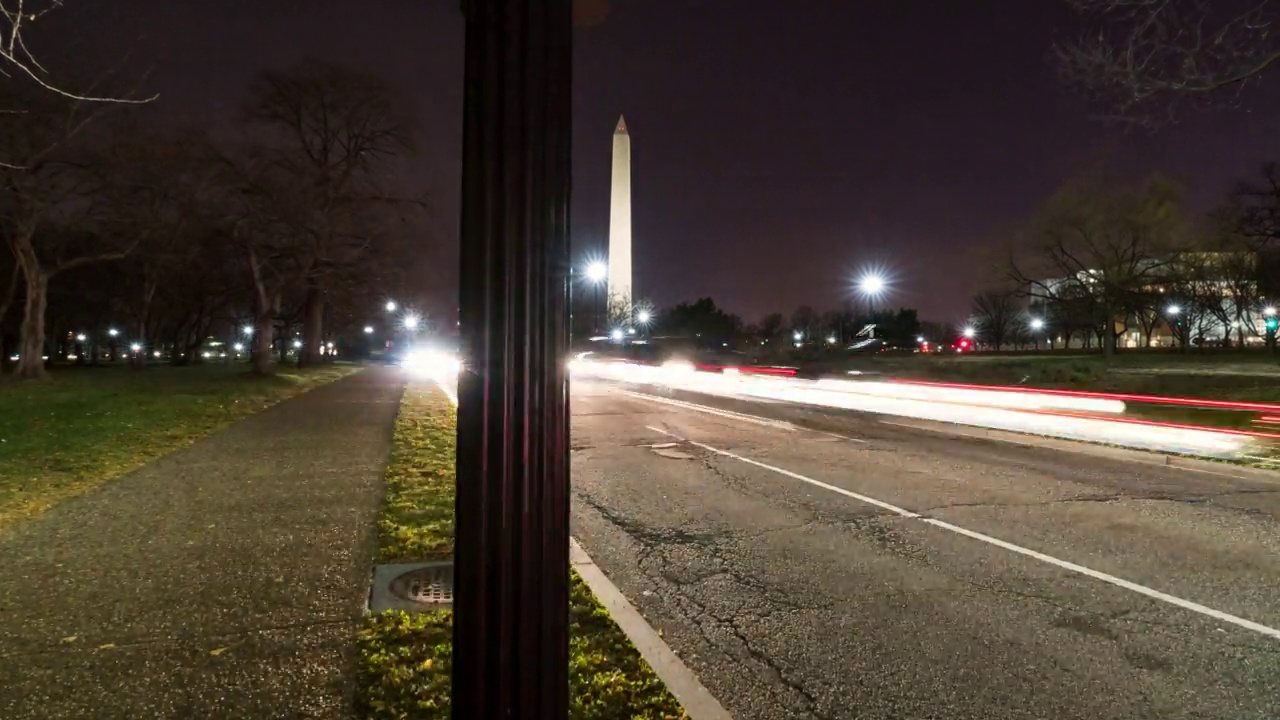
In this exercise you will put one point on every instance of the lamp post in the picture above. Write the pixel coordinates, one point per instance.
(597, 272)
(871, 286)
(1037, 325)
(1173, 312)
(511, 568)
(1270, 322)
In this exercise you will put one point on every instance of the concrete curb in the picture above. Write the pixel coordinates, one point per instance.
(1182, 462)
(698, 703)
(679, 679)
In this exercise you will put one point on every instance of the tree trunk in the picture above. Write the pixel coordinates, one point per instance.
(312, 327)
(263, 325)
(31, 340)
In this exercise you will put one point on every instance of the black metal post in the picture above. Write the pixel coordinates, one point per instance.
(511, 650)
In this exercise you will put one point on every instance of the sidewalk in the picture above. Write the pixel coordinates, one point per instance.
(222, 581)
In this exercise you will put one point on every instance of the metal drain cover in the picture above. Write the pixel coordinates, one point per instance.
(412, 587)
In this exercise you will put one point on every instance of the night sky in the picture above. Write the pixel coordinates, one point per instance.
(778, 146)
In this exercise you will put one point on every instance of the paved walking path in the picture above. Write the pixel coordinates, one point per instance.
(222, 581)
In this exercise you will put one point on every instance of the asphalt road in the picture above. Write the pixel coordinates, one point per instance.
(889, 572)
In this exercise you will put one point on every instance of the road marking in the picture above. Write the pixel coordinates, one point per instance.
(714, 411)
(1064, 564)
(797, 476)
(1112, 579)
(755, 419)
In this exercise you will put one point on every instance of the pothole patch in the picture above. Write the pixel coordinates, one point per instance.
(673, 454)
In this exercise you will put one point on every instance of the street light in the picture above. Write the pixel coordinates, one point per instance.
(596, 274)
(643, 317)
(136, 347)
(920, 338)
(616, 335)
(797, 336)
(1269, 311)
(113, 332)
(1037, 324)
(831, 339)
(969, 332)
(238, 347)
(81, 337)
(1174, 310)
(368, 329)
(410, 322)
(297, 343)
(247, 330)
(391, 306)
(871, 285)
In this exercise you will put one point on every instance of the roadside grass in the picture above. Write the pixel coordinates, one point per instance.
(86, 426)
(405, 659)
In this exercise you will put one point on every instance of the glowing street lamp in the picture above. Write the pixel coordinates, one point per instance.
(238, 347)
(831, 339)
(1269, 311)
(113, 332)
(81, 337)
(391, 306)
(596, 274)
(1037, 324)
(1173, 310)
(969, 332)
(368, 329)
(135, 347)
(297, 343)
(797, 336)
(616, 335)
(247, 330)
(411, 322)
(871, 285)
(643, 317)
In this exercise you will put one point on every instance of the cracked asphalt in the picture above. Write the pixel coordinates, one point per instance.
(791, 601)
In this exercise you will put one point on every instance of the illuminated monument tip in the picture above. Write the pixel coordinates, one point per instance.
(620, 224)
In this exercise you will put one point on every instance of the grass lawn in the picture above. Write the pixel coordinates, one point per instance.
(405, 658)
(88, 425)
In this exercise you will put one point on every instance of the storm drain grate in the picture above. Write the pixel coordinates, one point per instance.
(412, 587)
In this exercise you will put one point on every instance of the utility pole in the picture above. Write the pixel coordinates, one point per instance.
(511, 568)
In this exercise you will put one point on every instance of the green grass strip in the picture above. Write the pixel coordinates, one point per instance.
(86, 426)
(405, 659)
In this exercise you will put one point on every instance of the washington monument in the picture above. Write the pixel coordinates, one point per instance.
(620, 227)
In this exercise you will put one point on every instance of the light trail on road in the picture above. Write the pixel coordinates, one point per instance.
(1048, 414)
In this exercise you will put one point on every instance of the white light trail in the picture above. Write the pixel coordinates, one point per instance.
(1029, 412)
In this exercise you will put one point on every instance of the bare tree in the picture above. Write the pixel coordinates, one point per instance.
(45, 194)
(996, 313)
(332, 134)
(1098, 247)
(17, 19)
(1142, 58)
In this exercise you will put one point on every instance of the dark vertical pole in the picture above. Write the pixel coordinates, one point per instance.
(511, 650)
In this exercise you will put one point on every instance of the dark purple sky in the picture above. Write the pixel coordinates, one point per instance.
(778, 147)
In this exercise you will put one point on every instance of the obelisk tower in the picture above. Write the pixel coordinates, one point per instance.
(620, 228)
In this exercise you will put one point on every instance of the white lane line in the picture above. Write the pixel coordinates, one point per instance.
(713, 411)
(1080, 569)
(1112, 579)
(797, 476)
(744, 417)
